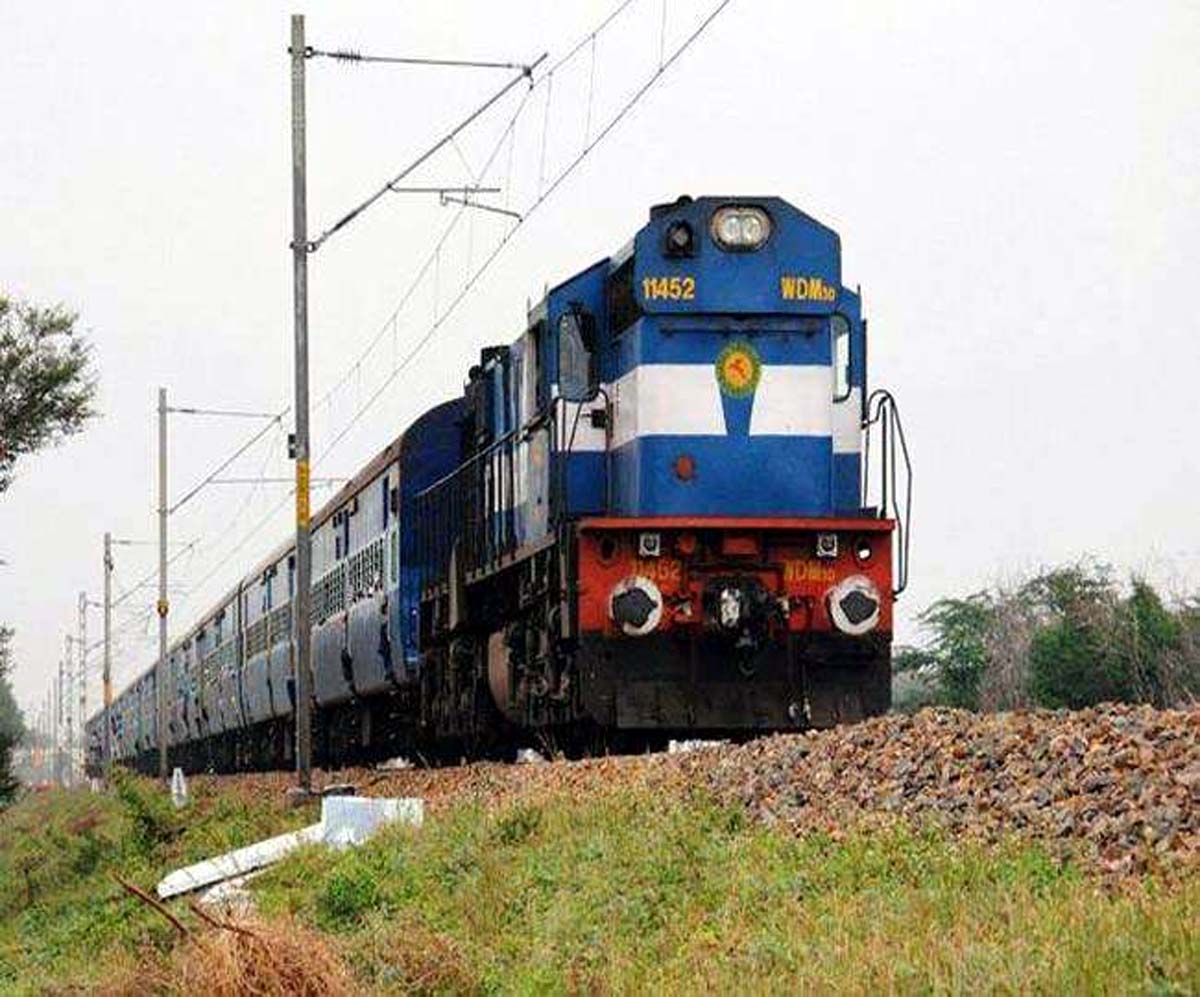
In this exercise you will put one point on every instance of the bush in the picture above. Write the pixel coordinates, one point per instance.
(1070, 637)
(152, 818)
(12, 723)
(350, 892)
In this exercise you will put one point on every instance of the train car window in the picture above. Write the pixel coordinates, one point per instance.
(839, 326)
(576, 356)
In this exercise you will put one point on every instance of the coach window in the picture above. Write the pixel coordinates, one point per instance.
(840, 327)
(576, 357)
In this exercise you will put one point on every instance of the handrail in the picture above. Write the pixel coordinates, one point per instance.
(446, 509)
(881, 409)
(561, 503)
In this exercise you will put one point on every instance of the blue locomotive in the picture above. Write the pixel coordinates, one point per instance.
(645, 516)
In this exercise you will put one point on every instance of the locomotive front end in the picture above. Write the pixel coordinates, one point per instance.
(709, 623)
(735, 580)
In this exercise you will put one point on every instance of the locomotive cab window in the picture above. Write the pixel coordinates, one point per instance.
(531, 374)
(577, 355)
(839, 326)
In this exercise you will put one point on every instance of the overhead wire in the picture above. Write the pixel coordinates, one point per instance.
(432, 260)
(275, 421)
(354, 212)
(432, 330)
(153, 574)
(510, 132)
(251, 494)
(191, 546)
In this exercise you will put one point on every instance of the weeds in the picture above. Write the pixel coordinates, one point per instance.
(62, 918)
(621, 891)
(631, 892)
(346, 896)
(152, 821)
(517, 824)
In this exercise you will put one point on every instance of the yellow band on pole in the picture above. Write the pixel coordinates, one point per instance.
(302, 507)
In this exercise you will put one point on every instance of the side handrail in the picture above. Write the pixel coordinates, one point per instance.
(560, 504)
(457, 500)
(881, 410)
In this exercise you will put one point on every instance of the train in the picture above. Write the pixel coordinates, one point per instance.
(671, 507)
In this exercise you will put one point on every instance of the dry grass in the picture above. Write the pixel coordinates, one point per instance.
(277, 958)
(404, 955)
(233, 959)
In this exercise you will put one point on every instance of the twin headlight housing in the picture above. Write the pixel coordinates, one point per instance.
(740, 228)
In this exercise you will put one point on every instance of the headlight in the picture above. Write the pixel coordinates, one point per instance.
(635, 604)
(680, 240)
(739, 228)
(827, 545)
(854, 605)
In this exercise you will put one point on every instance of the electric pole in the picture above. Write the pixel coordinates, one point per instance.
(108, 568)
(82, 681)
(58, 727)
(303, 596)
(160, 672)
(69, 707)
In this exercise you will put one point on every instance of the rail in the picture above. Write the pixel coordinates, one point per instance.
(882, 418)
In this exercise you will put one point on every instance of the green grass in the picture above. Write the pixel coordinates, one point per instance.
(62, 915)
(622, 891)
(630, 892)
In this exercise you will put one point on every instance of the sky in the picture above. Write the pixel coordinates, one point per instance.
(1017, 188)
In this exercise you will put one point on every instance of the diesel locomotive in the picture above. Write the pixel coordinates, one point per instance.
(657, 512)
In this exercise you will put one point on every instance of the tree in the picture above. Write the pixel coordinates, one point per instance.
(959, 648)
(1077, 655)
(46, 382)
(12, 724)
(1067, 637)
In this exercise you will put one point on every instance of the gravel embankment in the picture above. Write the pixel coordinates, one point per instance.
(1117, 787)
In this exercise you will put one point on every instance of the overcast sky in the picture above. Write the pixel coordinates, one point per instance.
(1017, 188)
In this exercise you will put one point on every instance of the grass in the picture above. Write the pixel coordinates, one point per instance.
(630, 893)
(621, 891)
(63, 918)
